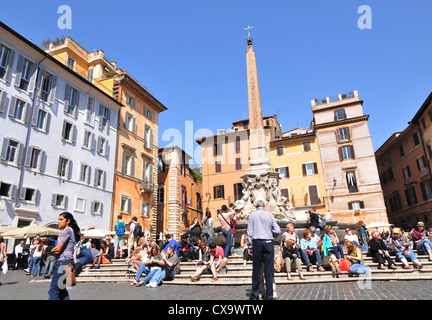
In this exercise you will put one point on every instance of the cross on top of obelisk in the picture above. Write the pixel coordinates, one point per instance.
(248, 29)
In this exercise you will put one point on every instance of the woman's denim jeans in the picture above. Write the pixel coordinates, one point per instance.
(358, 268)
(411, 256)
(228, 236)
(426, 243)
(36, 266)
(58, 289)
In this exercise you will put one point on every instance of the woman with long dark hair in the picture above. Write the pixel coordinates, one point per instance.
(64, 251)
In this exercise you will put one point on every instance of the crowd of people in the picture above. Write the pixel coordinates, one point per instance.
(318, 248)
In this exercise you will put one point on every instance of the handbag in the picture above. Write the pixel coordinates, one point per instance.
(229, 223)
(105, 260)
(326, 261)
(70, 274)
(278, 262)
(344, 264)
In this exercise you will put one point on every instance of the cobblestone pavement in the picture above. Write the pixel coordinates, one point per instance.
(16, 286)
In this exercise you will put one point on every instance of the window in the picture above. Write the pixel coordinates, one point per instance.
(406, 172)
(99, 180)
(35, 158)
(160, 194)
(280, 151)
(71, 101)
(237, 145)
(161, 164)
(71, 63)
(384, 178)
(310, 169)
(283, 172)
(125, 203)
(102, 146)
(90, 75)
(339, 114)
(7, 190)
(30, 195)
(64, 168)
(401, 151)
(285, 192)
(355, 205)
(426, 190)
(58, 201)
(218, 167)
(11, 151)
(41, 120)
(18, 110)
(47, 88)
(351, 181)
(238, 165)
(183, 198)
(411, 196)
(218, 192)
(130, 122)
(84, 175)
(96, 207)
(128, 164)
(238, 191)
(390, 174)
(198, 201)
(145, 208)
(148, 113)
(69, 132)
(217, 149)
(421, 163)
(25, 70)
(148, 175)
(343, 134)
(130, 100)
(307, 146)
(104, 118)
(6, 60)
(416, 139)
(90, 107)
(313, 195)
(88, 140)
(148, 137)
(346, 152)
(423, 123)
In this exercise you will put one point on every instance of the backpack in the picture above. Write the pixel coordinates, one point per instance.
(137, 231)
(322, 222)
(120, 228)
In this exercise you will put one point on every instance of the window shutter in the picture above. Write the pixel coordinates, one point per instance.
(348, 133)
(287, 172)
(352, 152)
(33, 77)
(41, 164)
(124, 163)
(13, 192)
(304, 169)
(67, 96)
(315, 168)
(22, 193)
(338, 137)
(361, 205)
(35, 118)
(92, 206)
(214, 193)
(4, 148)
(77, 104)
(2, 101)
(341, 158)
(105, 148)
(8, 72)
(418, 164)
(54, 199)
(350, 205)
(132, 173)
(18, 73)
(28, 157)
(19, 153)
(52, 93)
(133, 124)
(40, 81)
(151, 138)
(26, 115)
(47, 122)
(12, 106)
(74, 133)
(92, 141)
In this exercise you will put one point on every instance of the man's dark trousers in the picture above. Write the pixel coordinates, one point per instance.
(262, 252)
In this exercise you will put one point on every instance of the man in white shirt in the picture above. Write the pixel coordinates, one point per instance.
(18, 254)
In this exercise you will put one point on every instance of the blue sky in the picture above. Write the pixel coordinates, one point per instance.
(191, 54)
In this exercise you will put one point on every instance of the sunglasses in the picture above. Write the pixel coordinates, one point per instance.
(347, 230)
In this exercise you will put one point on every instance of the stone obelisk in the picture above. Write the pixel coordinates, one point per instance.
(260, 182)
(259, 137)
